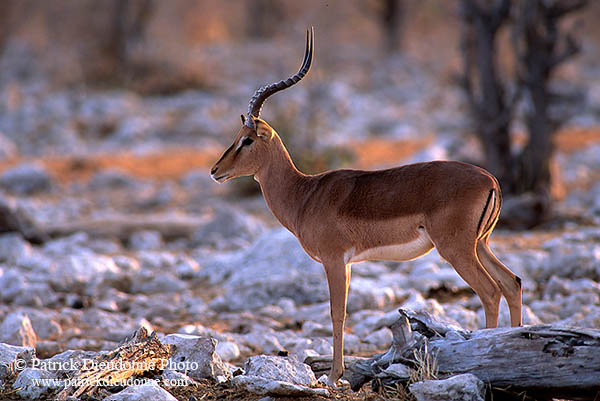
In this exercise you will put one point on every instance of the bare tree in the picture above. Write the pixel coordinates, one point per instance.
(539, 47)
(13, 14)
(490, 105)
(128, 24)
(263, 17)
(391, 20)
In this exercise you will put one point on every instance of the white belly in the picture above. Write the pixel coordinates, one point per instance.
(397, 252)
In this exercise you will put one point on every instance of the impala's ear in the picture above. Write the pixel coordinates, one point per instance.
(243, 119)
(263, 130)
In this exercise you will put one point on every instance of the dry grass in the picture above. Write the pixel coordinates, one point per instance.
(426, 369)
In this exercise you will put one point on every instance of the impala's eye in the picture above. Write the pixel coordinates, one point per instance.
(247, 141)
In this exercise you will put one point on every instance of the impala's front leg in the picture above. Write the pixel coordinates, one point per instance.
(338, 278)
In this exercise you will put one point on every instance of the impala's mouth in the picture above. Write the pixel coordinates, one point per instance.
(220, 179)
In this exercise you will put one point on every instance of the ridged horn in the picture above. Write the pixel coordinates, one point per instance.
(263, 93)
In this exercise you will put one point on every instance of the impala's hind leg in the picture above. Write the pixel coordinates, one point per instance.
(509, 283)
(460, 252)
(467, 265)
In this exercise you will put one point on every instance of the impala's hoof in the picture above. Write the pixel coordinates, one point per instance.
(333, 383)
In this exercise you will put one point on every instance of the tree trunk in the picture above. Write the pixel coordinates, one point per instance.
(491, 111)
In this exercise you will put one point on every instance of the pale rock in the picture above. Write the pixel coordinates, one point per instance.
(228, 225)
(286, 369)
(44, 323)
(287, 305)
(13, 247)
(162, 282)
(565, 287)
(529, 317)
(195, 329)
(417, 303)
(262, 386)
(354, 345)
(32, 383)
(465, 387)
(398, 370)
(264, 341)
(9, 355)
(163, 305)
(145, 240)
(173, 378)
(316, 312)
(382, 338)
(67, 362)
(8, 149)
(546, 311)
(228, 350)
(314, 329)
(573, 260)
(48, 347)
(196, 307)
(38, 295)
(377, 320)
(82, 272)
(26, 179)
(272, 311)
(126, 263)
(186, 267)
(147, 391)
(16, 329)
(12, 284)
(304, 354)
(74, 243)
(112, 179)
(274, 267)
(298, 345)
(156, 260)
(466, 318)
(369, 269)
(589, 319)
(423, 277)
(197, 351)
(366, 293)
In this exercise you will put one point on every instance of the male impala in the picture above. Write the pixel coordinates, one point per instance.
(346, 216)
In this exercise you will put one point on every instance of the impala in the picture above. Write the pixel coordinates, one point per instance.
(342, 217)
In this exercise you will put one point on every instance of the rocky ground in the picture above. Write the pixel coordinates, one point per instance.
(140, 237)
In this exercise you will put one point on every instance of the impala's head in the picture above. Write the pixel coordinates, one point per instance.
(247, 153)
(251, 146)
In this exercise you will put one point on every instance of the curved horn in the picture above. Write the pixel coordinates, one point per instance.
(263, 93)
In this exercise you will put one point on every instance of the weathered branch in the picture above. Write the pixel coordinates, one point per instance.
(571, 49)
(563, 7)
(122, 226)
(539, 360)
(143, 353)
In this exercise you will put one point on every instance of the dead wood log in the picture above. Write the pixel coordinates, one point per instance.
(122, 226)
(142, 354)
(540, 361)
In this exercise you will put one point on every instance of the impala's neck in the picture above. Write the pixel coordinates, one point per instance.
(282, 185)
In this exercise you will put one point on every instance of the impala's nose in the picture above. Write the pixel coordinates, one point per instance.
(214, 170)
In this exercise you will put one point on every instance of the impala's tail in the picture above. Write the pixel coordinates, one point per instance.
(491, 212)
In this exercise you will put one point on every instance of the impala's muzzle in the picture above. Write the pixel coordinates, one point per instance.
(217, 176)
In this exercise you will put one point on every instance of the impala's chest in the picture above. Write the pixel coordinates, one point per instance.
(399, 251)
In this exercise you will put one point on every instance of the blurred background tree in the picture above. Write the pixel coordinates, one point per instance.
(539, 46)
